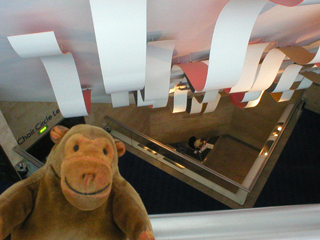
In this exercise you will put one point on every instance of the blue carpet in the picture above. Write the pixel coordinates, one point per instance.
(294, 180)
(296, 176)
(162, 193)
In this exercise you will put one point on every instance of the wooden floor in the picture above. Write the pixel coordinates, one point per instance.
(232, 158)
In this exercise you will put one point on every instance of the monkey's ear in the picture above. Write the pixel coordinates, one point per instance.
(57, 132)
(121, 148)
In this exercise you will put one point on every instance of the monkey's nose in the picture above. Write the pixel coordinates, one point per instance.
(86, 175)
(88, 179)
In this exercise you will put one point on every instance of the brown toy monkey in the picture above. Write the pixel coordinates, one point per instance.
(78, 194)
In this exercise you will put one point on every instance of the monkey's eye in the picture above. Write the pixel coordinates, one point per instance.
(105, 151)
(76, 147)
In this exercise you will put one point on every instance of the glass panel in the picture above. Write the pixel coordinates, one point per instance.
(204, 166)
(174, 157)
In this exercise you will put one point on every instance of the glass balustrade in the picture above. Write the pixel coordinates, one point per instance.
(196, 169)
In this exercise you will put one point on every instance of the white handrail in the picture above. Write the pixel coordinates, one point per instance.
(289, 222)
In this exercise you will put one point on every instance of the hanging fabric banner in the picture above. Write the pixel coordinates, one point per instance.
(60, 67)
(121, 31)
(180, 101)
(250, 68)
(159, 57)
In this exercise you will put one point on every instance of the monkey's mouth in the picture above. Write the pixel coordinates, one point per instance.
(85, 193)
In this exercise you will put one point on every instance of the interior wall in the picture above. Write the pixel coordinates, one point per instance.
(7, 141)
(251, 126)
(137, 118)
(312, 96)
(254, 125)
(164, 126)
(168, 127)
(25, 119)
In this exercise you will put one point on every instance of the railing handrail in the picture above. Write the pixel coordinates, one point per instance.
(28, 156)
(189, 159)
(275, 143)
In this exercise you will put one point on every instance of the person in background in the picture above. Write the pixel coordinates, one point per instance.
(200, 145)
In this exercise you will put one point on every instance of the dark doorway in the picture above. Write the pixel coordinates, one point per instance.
(8, 174)
(42, 147)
